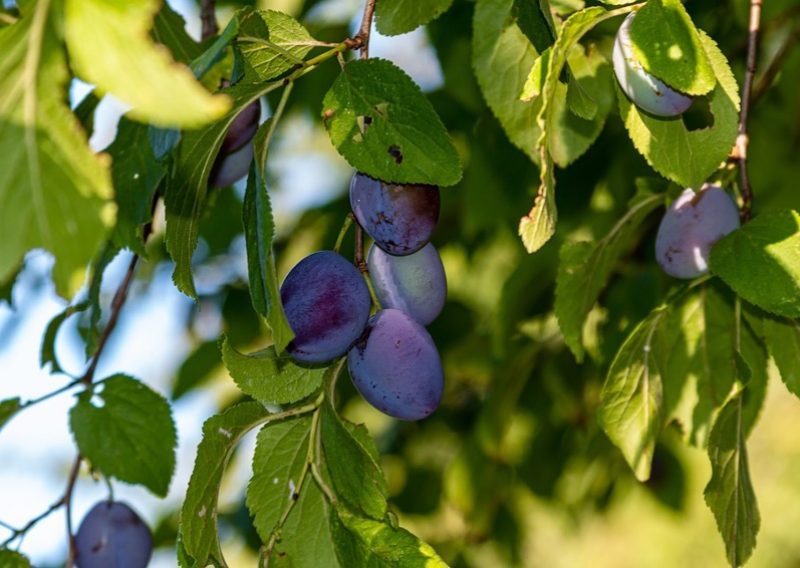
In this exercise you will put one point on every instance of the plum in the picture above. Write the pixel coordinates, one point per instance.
(396, 367)
(415, 284)
(112, 535)
(327, 305)
(236, 152)
(643, 89)
(691, 226)
(231, 168)
(400, 217)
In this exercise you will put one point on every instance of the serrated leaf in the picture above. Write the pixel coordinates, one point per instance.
(187, 185)
(271, 42)
(371, 544)
(270, 378)
(280, 466)
(584, 270)
(198, 530)
(690, 156)
(136, 174)
(131, 436)
(782, 337)
(632, 403)
(53, 188)
(259, 232)
(539, 224)
(668, 46)
(729, 494)
(306, 539)
(395, 17)
(381, 123)
(109, 46)
(8, 408)
(502, 57)
(357, 477)
(47, 353)
(13, 559)
(761, 262)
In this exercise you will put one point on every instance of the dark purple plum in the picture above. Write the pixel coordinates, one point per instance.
(396, 367)
(112, 535)
(415, 284)
(401, 218)
(327, 305)
(242, 129)
(231, 168)
(691, 226)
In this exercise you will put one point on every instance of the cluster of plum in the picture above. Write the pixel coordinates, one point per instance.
(112, 535)
(391, 357)
(695, 221)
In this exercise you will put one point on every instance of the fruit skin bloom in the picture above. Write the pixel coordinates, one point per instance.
(643, 89)
(691, 226)
(112, 535)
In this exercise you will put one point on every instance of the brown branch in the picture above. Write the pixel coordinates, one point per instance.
(208, 19)
(742, 139)
(361, 40)
(360, 262)
(73, 476)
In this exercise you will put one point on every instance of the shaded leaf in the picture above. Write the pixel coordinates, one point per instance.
(782, 337)
(131, 436)
(47, 353)
(13, 559)
(8, 408)
(395, 17)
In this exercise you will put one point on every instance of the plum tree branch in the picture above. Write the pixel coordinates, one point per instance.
(742, 139)
(208, 19)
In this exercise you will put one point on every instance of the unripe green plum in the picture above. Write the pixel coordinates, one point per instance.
(691, 226)
(643, 89)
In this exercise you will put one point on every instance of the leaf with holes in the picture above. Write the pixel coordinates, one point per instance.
(381, 123)
(131, 436)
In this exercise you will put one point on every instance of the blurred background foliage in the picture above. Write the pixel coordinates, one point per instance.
(513, 469)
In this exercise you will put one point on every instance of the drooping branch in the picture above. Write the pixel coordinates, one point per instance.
(742, 139)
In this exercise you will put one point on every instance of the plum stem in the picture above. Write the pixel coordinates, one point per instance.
(208, 19)
(348, 222)
(747, 88)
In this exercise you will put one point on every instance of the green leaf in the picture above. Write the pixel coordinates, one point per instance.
(280, 465)
(306, 539)
(691, 155)
(270, 378)
(729, 494)
(13, 559)
(395, 17)
(355, 473)
(372, 544)
(381, 123)
(7, 284)
(539, 224)
(187, 185)
(271, 42)
(259, 232)
(761, 262)
(668, 46)
(584, 270)
(632, 408)
(197, 368)
(136, 175)
(532, 21)
(131, 436)
(782, 337)
(169, 29)
(198, 530)
(109, 46)
(47, 353)
(90, 330)
(8, 408)
(503, 57)
(53, 188)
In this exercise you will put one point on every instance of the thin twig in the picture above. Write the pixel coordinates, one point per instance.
(208, 19)
(366, 27)
(73, 476)
(742, 139)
